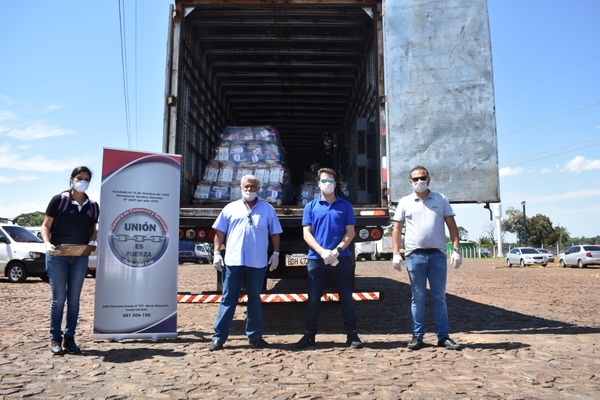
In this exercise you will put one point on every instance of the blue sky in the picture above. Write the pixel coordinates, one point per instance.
(62, 101)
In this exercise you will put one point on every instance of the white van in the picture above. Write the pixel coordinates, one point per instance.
(22, 253)
(204, 253)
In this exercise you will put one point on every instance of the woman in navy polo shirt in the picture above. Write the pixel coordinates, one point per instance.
(71, 218)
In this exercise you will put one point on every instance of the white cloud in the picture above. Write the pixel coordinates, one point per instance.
(37, 131)
(20, 178)
(5, 115)
(14, 160)
(581, 164)
(53, 107)
(546, 170)
(508, 171)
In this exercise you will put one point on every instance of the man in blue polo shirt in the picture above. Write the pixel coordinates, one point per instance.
(328, 228)
(244, 226)
(423, 214)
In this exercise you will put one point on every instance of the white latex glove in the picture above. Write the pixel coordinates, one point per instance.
(398, 262)
(49, 247)
(328, 256)
(455, 259)
(93, 243)
(218, 262)
(274, 261)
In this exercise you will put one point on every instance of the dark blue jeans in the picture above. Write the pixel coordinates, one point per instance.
(233, 277)
(342, 275)
(66, 276)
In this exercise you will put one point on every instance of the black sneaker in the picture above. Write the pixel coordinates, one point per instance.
(56, 348)
(448, 343)
(70, 346)
(306, 342)
(354, 341)
(416, 343)
(215, 344)
(259, 343)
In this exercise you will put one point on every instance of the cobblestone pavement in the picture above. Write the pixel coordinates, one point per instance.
(528, 333)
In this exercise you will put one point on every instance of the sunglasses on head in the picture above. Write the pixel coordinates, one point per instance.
(419, 178)
(330, 180)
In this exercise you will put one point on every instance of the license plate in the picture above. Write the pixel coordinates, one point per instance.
(296, 260)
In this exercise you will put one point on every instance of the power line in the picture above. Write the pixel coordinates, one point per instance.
(555, 75)
(550, 119)
(562, 150)
(552, 155)
(122, 32)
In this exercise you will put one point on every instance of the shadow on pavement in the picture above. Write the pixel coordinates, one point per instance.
(391, 315)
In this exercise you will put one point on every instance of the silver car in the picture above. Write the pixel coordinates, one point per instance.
(581, 255)
(525, 256)
(547, 253)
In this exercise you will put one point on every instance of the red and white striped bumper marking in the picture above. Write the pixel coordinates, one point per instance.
(276, 298)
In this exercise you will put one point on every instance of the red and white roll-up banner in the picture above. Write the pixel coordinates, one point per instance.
(138, 240)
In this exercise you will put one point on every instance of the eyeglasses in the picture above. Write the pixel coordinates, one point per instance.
(419, 178)
(330, 180)
(250, 220)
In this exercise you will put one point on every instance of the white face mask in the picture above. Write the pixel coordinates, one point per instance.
(249, 196)
(420, 186)
(327, 188)
(81, 186)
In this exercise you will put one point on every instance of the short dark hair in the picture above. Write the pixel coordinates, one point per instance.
(81, 169)
(416, 168)
(329, 171)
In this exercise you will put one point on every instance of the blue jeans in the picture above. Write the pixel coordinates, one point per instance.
(233, 276)
(342, 274)
(422, 267)
(66, 276)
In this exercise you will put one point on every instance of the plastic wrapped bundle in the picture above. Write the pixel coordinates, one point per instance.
(254, 152)
(278, 174)
(220, 192)
(203, 190)
(273, 153)
(237, 152)
(226, 173)
(212, 172)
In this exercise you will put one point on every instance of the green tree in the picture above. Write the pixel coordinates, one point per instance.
(540, 230)
(30, 219)
(513, 223)
(463, 234)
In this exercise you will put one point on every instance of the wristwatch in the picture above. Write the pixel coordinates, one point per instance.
(457, 250)
(339, 250)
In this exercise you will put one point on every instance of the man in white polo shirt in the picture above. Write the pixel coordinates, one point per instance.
(423, 214)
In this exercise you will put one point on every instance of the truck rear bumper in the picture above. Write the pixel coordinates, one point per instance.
(215, 297)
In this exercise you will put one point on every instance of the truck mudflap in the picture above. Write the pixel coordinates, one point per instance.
(201, 298)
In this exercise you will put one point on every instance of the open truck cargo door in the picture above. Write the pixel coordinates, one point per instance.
(439, 98)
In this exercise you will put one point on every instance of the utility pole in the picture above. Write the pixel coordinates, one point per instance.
(524, 224)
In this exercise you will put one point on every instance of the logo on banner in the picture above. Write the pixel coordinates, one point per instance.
(138, 237)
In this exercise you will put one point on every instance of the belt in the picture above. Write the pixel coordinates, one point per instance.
(425, 251)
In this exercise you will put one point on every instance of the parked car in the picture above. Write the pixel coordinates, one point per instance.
(581, 256)
(22, 254)
(525, 256)
(204, 252)
(547, 253)
(189, 256)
